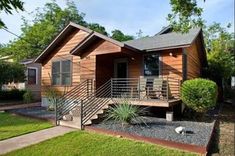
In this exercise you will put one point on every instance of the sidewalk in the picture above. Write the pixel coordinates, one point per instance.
(32, 138)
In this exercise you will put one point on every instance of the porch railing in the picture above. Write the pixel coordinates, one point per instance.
(146, 88)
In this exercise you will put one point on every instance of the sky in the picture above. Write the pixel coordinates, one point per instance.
(129, 16)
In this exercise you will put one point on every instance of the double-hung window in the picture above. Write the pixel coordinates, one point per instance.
(151, 65)
(61, 72)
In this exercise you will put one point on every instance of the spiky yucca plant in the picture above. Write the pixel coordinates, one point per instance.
(124, 112)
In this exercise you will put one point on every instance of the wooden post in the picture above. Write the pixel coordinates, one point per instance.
(139, 88)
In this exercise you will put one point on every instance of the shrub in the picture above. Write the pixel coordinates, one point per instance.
(14, 94)
(199, 94)
(124, 112)
(28, 96)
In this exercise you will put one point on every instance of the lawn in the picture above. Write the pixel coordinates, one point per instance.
(12, 125)
(92, 144)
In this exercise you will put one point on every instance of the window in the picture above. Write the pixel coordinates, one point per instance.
(61, 72)
(32, 76)
(151, 65)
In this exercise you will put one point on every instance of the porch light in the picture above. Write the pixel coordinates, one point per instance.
(173, 55)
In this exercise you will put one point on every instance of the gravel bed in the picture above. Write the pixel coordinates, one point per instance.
(162, 129)
(40, 112)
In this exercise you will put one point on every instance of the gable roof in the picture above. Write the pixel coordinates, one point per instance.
(165, 40)
(88, 39)
(92, 38)
(59, 38)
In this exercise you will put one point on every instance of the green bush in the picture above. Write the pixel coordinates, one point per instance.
(199, 94)
(28, 96)
(14, 94)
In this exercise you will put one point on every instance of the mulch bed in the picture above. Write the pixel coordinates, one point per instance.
(162, 132)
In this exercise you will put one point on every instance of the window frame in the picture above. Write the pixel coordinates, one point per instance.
(60, 72)
(36, 69)
(159, 64)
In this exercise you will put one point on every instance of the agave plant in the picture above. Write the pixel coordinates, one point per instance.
(124, 112)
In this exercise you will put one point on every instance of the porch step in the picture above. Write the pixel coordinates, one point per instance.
(71, 124)
(72, 119)
(68, 117)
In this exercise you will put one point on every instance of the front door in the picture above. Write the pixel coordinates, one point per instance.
(120, 68)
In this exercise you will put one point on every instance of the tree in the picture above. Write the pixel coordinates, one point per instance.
(11, 72)
(8, 5)
(119, 36)
(98, 28)
(46, 25)
(185, 15)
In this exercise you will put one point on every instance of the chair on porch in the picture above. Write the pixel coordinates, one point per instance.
(157, 87)
(142, 87)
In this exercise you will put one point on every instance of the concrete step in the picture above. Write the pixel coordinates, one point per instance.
(71, 124)
(75, 112)
(68, 117)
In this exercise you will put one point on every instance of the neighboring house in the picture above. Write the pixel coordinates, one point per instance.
(148, 70)
(33, 78)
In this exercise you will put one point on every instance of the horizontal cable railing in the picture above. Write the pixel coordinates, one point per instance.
(145, 88)
(96, 101)
(73, 98)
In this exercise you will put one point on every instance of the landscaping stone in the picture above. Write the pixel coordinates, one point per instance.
(162, 129)
(37, 112)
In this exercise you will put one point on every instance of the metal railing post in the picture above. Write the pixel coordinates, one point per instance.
(139, 88)
(167, 87)
(111, 87)
(56, 115)
(81, 115)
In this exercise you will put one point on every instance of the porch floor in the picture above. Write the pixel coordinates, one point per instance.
(150, 102)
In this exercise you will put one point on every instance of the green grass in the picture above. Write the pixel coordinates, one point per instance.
(12, 125)
(91, 144)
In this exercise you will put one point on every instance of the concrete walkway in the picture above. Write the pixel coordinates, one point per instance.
(32, 138)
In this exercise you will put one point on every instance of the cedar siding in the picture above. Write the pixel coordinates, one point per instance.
(194, 65)
(172, 65)
(63, 52)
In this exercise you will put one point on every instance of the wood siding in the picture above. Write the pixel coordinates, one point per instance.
(171, 66)
(60, 53)
(193, 60)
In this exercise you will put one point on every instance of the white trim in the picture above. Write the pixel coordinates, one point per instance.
(36, 75)
(121, 60)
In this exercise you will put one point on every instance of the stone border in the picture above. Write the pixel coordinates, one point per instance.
(172, 144)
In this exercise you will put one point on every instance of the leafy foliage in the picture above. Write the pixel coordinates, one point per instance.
(185, 15)
(28, 96)
(11, 72)
(199, 94)
(220, 52)
(13, 94)
(8, 5)
(98, 28)
(52, 19)
(119, 36)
